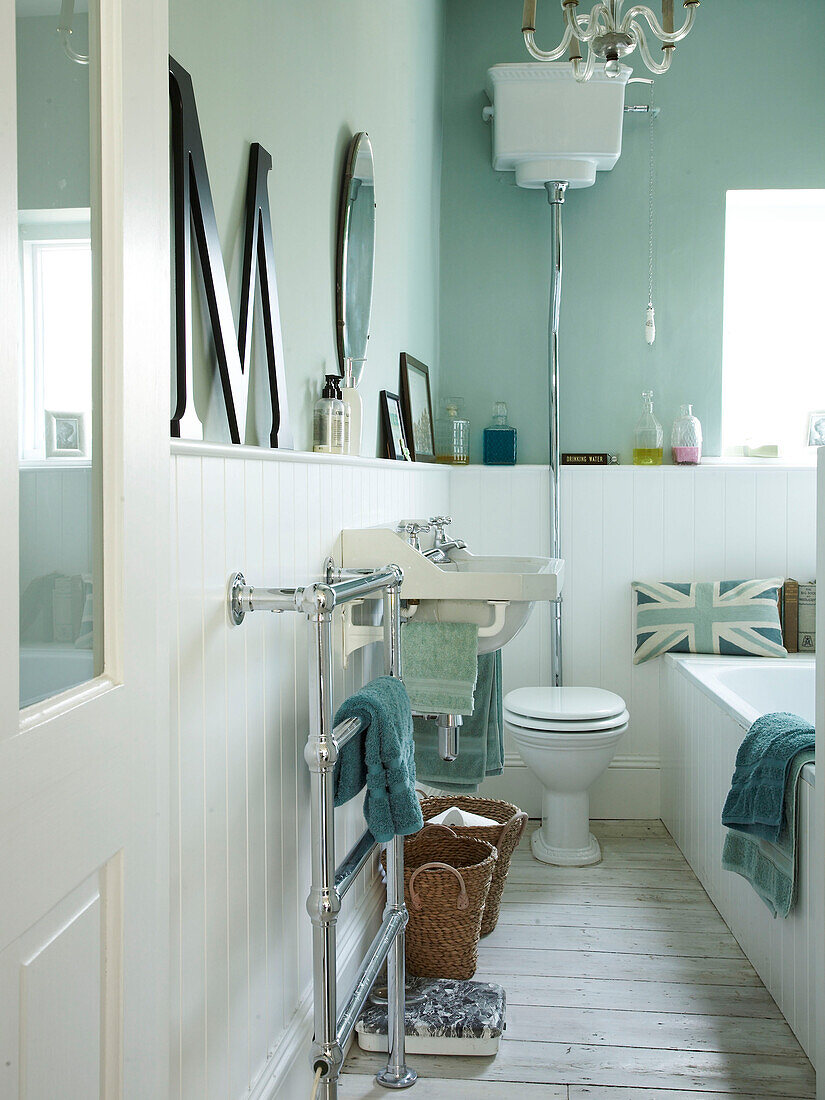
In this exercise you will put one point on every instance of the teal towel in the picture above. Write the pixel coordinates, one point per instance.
(481, 744)
(440, 666)
(771, 868)
(381, 757)
(756, 801)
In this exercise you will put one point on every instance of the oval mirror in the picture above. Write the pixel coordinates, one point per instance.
(356, 255)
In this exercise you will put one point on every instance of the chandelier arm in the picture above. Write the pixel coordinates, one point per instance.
(547, 55)
(654, 66)
(585, 28)
(665, 37)
(583, 72)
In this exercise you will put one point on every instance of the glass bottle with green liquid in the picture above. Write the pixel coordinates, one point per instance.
(648, 437)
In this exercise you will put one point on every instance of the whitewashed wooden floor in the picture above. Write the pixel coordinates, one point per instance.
(622, 982)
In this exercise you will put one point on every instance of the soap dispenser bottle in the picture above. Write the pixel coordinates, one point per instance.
(648, 437)
(329, 420)
(500, 442)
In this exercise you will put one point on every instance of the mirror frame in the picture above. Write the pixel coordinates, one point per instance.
(344, 219)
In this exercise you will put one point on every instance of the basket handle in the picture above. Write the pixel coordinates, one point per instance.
(519, 816)
(415, 899)
(436, 825)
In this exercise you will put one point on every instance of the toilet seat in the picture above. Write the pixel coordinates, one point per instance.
(592, 725)
(563, 705)
(553, 740)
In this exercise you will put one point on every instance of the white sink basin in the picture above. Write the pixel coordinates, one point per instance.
(496, 592)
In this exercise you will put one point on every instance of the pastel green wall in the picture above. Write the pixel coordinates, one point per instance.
(742, 107)
(301, 80)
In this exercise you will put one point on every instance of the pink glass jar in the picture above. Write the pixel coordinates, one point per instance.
(686, 439)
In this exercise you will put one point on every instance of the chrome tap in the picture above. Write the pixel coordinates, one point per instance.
(438, 524)
(413, 531)
(441, 544)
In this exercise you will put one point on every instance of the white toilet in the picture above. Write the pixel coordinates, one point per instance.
(567, 737)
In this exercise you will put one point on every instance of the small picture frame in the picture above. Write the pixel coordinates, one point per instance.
(393, 420)
(816, 429)
(417, 405)
(66, 435)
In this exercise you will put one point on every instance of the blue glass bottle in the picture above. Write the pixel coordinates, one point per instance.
(500, 443)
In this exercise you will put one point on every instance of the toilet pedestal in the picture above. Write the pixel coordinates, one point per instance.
(564, 838)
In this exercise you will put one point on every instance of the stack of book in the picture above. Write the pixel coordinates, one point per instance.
(797, 612)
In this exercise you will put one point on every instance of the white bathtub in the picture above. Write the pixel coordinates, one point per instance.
(710, 702)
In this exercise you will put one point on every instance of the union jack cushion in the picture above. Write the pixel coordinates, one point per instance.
(738, 618)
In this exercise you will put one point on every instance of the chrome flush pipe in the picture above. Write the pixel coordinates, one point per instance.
(555, 194)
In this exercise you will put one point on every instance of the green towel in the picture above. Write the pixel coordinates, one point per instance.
(440, 666)
(771, 868)
(759, 788)
(481, 745)
(381, 757)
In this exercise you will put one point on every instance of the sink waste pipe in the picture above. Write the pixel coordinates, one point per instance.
(555, 194)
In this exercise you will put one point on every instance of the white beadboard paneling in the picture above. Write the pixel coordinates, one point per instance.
(241, 934)
(772, 523)
(55, 525)
(191, 713)
(740, 523)
(801, 526)
(709, 534)
(624, 523)
(698, 760)
(216, 747)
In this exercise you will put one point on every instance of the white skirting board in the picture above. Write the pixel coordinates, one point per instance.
(699, 753)
(629, 788)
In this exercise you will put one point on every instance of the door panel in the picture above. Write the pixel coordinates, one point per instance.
(53, 1037)
(83, 773)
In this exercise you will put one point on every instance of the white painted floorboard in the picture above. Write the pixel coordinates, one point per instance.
(623, 983)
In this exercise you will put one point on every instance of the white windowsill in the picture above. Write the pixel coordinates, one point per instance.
(54, 463)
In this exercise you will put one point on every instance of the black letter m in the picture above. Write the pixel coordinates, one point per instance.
(194, 211)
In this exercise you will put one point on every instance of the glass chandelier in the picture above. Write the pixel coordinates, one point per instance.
(610, 34)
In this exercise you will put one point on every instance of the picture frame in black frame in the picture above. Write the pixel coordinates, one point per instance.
(417, 406)
(395, 440)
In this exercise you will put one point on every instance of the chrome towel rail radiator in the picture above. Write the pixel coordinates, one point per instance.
(333, 1029)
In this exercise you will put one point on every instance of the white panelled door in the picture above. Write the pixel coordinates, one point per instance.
(84, 518)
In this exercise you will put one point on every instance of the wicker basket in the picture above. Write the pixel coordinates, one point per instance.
(446, 881)
(504, 837)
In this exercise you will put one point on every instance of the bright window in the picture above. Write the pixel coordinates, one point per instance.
(56, 301)
(773, 377)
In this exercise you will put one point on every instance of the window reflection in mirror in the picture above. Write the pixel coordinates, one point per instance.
(60, 559)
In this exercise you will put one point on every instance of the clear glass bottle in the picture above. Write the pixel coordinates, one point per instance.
(648, 437)
(452, 434)
(500, 441)
(686, 438)
(353, 417)
(329, 420)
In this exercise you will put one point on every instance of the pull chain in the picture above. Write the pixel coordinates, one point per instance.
(650, 316)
